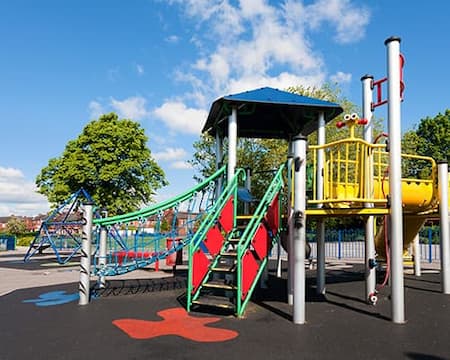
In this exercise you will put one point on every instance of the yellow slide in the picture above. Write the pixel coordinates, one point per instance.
(411, 226)
(417, 196)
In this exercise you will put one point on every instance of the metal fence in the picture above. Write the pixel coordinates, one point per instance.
(349, 244)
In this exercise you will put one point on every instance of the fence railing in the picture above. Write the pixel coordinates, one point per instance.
(349, 244)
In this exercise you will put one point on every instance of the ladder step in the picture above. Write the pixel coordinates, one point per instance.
(219, 284)
(229, 254)
(214, 301)
(224, 268)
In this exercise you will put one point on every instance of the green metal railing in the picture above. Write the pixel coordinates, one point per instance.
(155, 209)
(209, 221)
(273, 190)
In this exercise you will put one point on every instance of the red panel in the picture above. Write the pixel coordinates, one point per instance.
(214, 240)
(200, 265)
(272, 216)
(227, 215)
(249, 270)
(261, 242)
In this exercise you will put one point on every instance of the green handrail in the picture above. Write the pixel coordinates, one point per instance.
(154, 209)
(209, 221)
(244, 243)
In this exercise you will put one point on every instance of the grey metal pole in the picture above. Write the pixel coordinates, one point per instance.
(248, 186)
(395, 180)
(102, 255)
(219, 158)
(444, 224)
(319, 196)
(232, 143)
(370, 269)
(416, 252)
(85, 261)
(290, 238)
(299, 219)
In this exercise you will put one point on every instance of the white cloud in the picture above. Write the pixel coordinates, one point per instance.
(170, 154)
(349, 20)
(179, 118)
(341, 77)
(18, 196)
(181, 165)
(95, 109)
(130, 108)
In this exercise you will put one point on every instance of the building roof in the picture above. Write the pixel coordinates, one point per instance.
(269, 113)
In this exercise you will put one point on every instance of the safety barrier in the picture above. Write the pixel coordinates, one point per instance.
(348, 164)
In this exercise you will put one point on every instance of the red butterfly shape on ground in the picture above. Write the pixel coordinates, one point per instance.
(176, 322)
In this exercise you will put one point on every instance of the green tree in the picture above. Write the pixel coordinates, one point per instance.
(434, 134)
(109, 159)
(16, 226)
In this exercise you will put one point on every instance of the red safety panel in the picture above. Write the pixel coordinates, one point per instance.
(272, 216)
(200, 265)
(214, 240)
(226, 216)
(261, 242)
(249, 270)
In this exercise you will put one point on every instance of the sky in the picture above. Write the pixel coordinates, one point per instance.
(163, 63)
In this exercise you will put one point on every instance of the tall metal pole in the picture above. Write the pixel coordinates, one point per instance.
(219, 158)
(290, 239)
(299, 219)
(85, 261)
(370, 273)
(395, 180)
(319, 196)
(416, 252)
(248, 186)
(232, 143)
(102, 255)
(444, 224)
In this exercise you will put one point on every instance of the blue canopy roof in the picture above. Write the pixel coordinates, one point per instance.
(269, 113)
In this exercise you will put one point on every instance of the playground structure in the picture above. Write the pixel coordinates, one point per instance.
(61, 230)
(228, 248)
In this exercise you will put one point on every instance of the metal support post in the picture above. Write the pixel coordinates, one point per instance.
(85, 261)
(232, 143)
(444, 224)
(102, 255)
(219, 159)
(395, 178)
(248, 186)
(370, 261)
(416, 253)
(290, 234)
(299, 220)
(319, 196)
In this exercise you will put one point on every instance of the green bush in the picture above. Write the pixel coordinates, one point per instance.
(25, 239)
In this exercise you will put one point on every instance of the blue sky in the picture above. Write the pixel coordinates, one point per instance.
(162, 63)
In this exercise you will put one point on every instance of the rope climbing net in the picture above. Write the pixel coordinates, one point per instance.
(135, 240)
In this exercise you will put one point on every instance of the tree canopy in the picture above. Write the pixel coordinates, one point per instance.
(434, 136)
(16, 226)
(111, 161)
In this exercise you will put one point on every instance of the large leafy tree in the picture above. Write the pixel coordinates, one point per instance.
(434, 136)
(109, 159)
